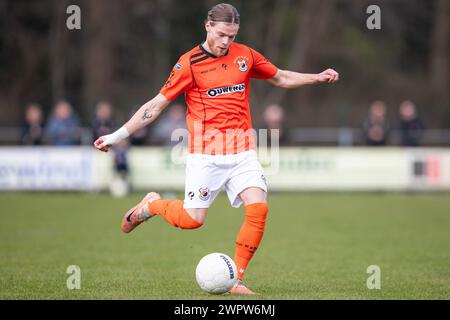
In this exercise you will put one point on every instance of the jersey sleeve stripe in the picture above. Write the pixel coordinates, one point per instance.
(199, 59)
(197, 54)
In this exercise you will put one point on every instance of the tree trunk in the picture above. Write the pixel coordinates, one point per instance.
(440, 55)
(57, 44)
(101, 22)
(314, 18)
(272, 44)
(162, 63)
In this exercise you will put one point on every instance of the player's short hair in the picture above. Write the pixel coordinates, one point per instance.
(223, 12)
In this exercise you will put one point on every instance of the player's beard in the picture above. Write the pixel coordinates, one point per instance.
(215, 49)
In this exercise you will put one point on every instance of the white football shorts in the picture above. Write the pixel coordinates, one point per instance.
(207, 175)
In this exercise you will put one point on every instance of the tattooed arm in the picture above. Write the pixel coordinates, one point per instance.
(144, 116)
(147, 113)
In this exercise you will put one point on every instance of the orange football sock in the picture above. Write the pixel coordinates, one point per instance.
(250, 235)
(174, 213)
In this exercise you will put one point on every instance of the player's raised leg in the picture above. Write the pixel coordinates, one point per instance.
(250, 234)
(139, 213)
(171, 210)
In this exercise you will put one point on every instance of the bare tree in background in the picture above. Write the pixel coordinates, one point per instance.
(440, 55)
(271, 46)
(22, 53)
(57, 39)
(102, 26)
(162, 30)
(272, 43)
(313, 21)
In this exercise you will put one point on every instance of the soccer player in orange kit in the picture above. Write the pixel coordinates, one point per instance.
(215, 78)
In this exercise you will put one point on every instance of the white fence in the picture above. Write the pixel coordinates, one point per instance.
(290, 169)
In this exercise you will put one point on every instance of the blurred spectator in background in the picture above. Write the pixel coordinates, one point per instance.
(273, 119)
(33, 127)
(120, 185)
(411, 126)
(63, 127)
(376, 127)
(175, 118)
(120, 158)
(103, 122)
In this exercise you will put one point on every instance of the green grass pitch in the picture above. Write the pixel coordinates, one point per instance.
(316, 246)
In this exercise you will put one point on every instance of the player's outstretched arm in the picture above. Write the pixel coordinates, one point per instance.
(144, 116)
(291, 79)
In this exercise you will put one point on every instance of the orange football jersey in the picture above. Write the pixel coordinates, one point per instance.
(217, 92)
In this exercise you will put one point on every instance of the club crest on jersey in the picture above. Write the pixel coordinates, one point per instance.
(204, 194)
(178, 66)
(241, 62)
(225, 90)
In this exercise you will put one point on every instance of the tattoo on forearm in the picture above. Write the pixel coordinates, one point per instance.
(146, 115)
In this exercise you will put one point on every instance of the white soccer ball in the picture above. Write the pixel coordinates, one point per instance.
(216, 273)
